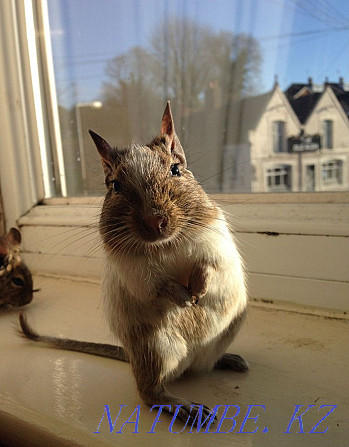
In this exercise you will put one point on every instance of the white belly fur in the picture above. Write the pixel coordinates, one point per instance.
(140, 277)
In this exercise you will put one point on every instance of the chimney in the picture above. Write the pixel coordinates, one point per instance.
(341, 82)
(310, 83)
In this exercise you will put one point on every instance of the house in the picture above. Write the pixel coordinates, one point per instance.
(242, 147)
(260, 149)
(323, 110)
(292, 141)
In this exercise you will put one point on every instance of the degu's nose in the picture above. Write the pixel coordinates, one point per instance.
(155, 222)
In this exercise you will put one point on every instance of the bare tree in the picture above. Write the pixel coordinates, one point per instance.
(190, 55)
(131, 92)
(184, 60)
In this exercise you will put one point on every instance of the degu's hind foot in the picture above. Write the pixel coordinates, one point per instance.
(195, 414)
(233, 362)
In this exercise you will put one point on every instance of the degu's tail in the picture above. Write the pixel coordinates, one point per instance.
(101, 349)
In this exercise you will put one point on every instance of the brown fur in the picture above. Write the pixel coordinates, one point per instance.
(152, 191)
(165, 315)
(173, 282)
(16, 283)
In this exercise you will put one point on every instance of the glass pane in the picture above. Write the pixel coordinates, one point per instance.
(328, 132)
(251, 85)
(278, 136)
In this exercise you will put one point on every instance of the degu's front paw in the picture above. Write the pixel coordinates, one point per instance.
(183, 297)
(198, 283)
(177, 294)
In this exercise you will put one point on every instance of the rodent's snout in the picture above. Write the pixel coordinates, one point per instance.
(27, 298)
(155, 223)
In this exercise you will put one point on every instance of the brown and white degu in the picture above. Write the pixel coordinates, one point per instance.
(173, 282)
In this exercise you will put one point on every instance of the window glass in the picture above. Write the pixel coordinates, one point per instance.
(328, 134)
(257, 88)
(332, 172)
(310, 178)
(279, 178)
(278, 136)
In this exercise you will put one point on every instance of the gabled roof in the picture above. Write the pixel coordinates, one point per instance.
(343, 99)
(304, 97)
(230, 124)
(304, 105)
(245, 114)
(294, 89)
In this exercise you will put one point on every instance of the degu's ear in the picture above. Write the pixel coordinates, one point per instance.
(105, 151)
(10, 242)
(173, 144)
(14, 237)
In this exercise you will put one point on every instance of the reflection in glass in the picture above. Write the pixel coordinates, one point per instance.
(244, 128)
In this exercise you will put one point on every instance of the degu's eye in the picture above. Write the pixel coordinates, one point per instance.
(116, 186)
(175, 170)
(18, 282)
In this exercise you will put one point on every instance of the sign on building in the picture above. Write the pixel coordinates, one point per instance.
(304, 143)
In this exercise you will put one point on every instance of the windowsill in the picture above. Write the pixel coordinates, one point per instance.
(295, 197)
(291, 213)
(293, 251)
(56, 398)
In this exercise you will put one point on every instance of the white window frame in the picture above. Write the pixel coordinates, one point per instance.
(279, 170)
(266, 224)
(332, 172)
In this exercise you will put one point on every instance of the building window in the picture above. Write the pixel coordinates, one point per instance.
(278, 136)
(310, 178)
(328, 134)
(279, 178)
(332, 172)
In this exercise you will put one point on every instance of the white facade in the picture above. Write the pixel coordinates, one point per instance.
(269, 157)
(331, 164)
(264, 162)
